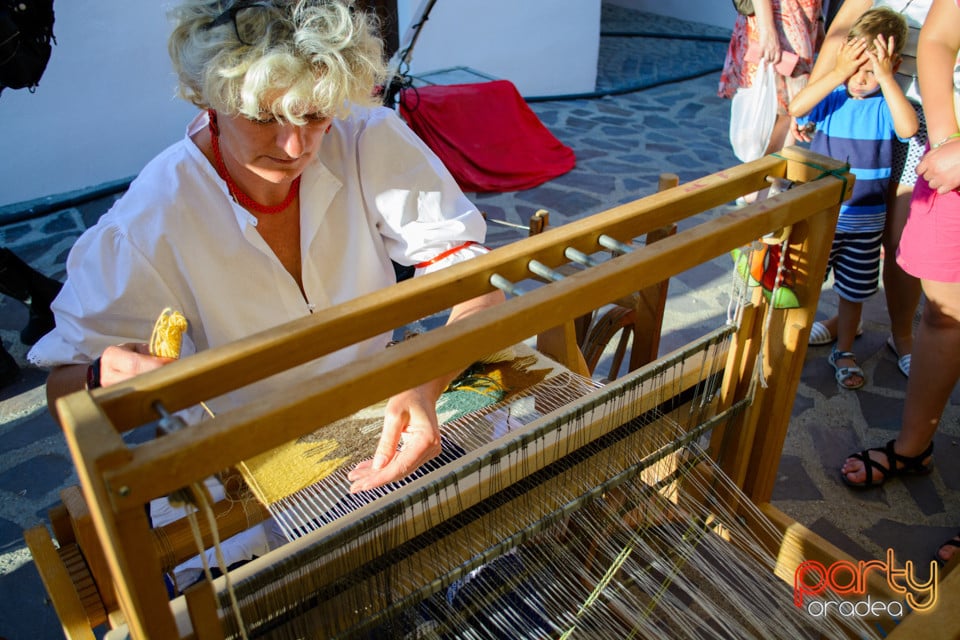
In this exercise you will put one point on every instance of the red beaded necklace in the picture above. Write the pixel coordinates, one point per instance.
(238, 194)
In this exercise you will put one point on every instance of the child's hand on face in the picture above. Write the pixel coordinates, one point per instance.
(882, 57)
(852, 56)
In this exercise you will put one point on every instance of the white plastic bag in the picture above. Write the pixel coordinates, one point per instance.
(752, 114)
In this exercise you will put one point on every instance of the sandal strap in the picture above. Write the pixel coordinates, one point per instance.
(840, 355)
(906, 464)
(868, 466)
(909, 464)
(845, 372)
(819, 334)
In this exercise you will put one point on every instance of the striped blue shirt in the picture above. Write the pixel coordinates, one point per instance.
(860, 133)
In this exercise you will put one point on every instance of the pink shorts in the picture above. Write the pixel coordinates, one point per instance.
(930, 245)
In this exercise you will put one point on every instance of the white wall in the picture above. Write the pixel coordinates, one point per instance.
(545, 47)
(719, 13)
(105, 104)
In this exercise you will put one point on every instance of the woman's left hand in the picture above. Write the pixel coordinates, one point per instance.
(410, 421)
(940, 167)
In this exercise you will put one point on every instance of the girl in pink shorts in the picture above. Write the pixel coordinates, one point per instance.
(930, 246)
(929, 250)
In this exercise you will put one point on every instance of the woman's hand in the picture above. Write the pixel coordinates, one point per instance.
(941, 167)
(410, 423)
(769, 45)
(117, 363)
(767, 32)
(123, 361)
(410, 420)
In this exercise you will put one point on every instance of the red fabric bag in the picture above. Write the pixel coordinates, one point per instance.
(486, 135)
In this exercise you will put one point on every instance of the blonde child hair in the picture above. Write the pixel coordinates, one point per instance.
(882, 21)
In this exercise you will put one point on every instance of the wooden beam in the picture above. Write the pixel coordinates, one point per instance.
(56, 579)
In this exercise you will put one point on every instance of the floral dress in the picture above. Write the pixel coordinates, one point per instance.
(798, 25)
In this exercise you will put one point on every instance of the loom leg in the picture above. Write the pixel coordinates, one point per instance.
(60, 584)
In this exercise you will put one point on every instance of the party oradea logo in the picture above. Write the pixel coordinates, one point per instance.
(849, 580)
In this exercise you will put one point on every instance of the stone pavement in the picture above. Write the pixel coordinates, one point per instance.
(622, 142)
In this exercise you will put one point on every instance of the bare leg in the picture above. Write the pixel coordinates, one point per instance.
(935, 371)
(936, 358)
(782, 135)
(901, 289)
(848, 318)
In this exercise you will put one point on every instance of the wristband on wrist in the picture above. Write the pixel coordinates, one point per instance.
(952, 136)
(93, 375)
(447, 253)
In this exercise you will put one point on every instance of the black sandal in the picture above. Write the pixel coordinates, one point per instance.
(899, 465)
(952, 542)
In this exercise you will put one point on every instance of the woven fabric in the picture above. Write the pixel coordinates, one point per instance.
(281, 472)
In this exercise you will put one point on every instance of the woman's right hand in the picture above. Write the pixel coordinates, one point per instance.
(767, 33)
(124, 361)
(769, 45)
(117, 363)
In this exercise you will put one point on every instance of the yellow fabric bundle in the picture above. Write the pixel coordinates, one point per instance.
(167, 336)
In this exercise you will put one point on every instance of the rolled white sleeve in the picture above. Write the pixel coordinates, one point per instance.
(110, 292)
(419, 208)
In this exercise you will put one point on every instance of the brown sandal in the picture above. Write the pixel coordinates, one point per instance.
(899, 465)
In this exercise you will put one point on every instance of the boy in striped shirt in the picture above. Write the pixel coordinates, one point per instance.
(858, 109)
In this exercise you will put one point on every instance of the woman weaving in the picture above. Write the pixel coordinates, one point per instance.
(291, 191)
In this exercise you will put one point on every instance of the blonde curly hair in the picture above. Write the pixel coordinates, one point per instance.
(300, 58)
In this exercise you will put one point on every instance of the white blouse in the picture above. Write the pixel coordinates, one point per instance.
(375, 192)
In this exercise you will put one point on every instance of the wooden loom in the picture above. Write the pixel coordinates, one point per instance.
(126, 559)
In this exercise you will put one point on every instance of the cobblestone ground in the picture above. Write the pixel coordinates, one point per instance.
(623, 142)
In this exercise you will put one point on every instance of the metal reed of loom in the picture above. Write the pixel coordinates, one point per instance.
(318, 504)
(588, 480)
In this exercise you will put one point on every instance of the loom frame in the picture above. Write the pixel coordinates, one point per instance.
(118, 480)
